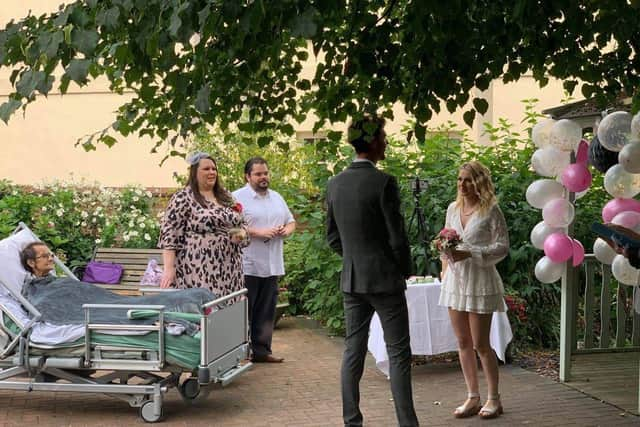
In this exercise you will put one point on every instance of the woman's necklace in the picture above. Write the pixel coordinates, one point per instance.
(473, 209)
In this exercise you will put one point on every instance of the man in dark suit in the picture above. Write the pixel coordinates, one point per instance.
(365, 226)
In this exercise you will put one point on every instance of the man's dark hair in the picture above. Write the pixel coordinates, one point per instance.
(253, 161)
(28, 253)
(363, 131)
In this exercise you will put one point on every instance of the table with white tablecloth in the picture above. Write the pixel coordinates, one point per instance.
(430, 327)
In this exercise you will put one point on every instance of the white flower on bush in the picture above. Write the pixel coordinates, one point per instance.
(133, 233)
(148, 194)
(59, 212)
(146, 236)
(83, 224)
(98, 241)
(44, 209)
(142, 225)
(93, 220)
(160, 214)
(125, 237)
(131, 224)
(84, 214)
(135, 198)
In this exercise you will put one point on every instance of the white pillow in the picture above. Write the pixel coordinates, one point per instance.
(12, 274)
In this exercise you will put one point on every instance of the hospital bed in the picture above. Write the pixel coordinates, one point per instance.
(136, 363)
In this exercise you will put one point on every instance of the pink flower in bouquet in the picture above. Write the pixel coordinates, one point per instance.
(447, 238)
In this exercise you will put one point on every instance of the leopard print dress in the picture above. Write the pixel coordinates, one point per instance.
(205, 255)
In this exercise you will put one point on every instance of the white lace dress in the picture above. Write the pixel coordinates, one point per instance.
(474, 284)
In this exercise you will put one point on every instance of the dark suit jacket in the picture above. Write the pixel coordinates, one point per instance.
(365, 226)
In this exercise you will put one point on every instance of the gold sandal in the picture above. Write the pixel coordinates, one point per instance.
(495, 412)
(468, 409)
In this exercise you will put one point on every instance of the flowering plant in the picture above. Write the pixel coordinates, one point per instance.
(447, 239)
(517, 308)
(237, 207)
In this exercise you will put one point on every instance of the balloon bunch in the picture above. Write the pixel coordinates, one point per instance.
(620, 132)
(556, 140)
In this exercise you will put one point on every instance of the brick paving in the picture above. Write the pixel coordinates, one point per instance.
(304, 391)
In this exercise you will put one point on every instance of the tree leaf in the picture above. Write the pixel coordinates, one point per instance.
(8, 108)
(481, 105)
(202, 103)
(78, 70)
(304, 25)
(468, 117)
(108, 140)
(108, 18)
(84, 40)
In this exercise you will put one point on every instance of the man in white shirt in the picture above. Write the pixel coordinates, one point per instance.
(270, 221)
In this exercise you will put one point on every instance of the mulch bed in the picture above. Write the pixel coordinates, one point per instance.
(542, 362)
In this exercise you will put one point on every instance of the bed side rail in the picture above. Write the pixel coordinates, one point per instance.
(34, 316)
(225, 331)
(117, 363)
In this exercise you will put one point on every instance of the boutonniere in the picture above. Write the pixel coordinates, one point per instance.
(237, 207)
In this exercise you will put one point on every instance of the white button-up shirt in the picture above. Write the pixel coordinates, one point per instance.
(263, 258)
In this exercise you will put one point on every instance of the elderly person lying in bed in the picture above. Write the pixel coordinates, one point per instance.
(60, 300)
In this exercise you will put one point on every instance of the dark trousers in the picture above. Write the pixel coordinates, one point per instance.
(394, 317)
(263, 297)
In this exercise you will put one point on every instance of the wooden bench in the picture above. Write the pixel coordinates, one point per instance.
(134, 263)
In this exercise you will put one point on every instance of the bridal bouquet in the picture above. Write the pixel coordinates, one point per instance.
(447, 239)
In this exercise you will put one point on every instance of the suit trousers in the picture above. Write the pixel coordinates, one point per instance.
(394, 317)
(263, 297)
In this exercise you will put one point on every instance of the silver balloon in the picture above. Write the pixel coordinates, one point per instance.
(540, 233)
(620, 183)
(547, 271)
(624, 272)
(549, 161)
(635, 127)
(558, 213)
(541, 191)
(566, 135)
(541, 133)
(614, 131)
(629, 157)
(603, 252)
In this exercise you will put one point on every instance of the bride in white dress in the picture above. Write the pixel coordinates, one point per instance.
(471, 285)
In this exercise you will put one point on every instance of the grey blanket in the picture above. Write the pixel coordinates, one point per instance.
(60, 300)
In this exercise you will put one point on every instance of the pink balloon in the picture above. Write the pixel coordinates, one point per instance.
(628, 219)
(576, 177)
(582, 153)
(617, 205)
(578, 252)
(558, 247)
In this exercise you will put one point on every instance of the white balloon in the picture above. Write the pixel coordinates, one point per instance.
(541, 191)
(540, 233)
(614, 130)
(549, 161)
(624, 272)
(620, 183)
(558, 213)
(547, 271)
(541, 132)
(629, 157)
(566, 135)
(603, 252)
(635, 127)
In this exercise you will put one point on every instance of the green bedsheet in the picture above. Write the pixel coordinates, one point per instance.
(181, 350)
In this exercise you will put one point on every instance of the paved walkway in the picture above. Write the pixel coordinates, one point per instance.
(304, 391)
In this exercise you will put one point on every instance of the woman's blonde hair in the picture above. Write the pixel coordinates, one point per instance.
(481, 179)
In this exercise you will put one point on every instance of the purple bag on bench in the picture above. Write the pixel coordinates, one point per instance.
(102, 272)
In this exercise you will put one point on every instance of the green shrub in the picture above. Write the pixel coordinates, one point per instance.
(73, 219)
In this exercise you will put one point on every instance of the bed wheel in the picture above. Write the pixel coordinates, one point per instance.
(189, 389)
(147, 412)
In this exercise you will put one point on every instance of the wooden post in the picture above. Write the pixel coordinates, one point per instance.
(568, 305)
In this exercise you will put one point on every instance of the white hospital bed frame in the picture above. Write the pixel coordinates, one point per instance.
(141, 382)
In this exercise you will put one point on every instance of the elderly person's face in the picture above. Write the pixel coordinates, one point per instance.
(207, 174)
(42, 264)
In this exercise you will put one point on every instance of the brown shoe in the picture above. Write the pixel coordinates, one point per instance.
(269, 358)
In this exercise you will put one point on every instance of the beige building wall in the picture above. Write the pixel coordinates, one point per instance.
(41, 146)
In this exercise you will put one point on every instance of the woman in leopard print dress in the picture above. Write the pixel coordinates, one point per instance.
(203, 233)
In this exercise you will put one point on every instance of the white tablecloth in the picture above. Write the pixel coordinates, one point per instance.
(430, 327)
